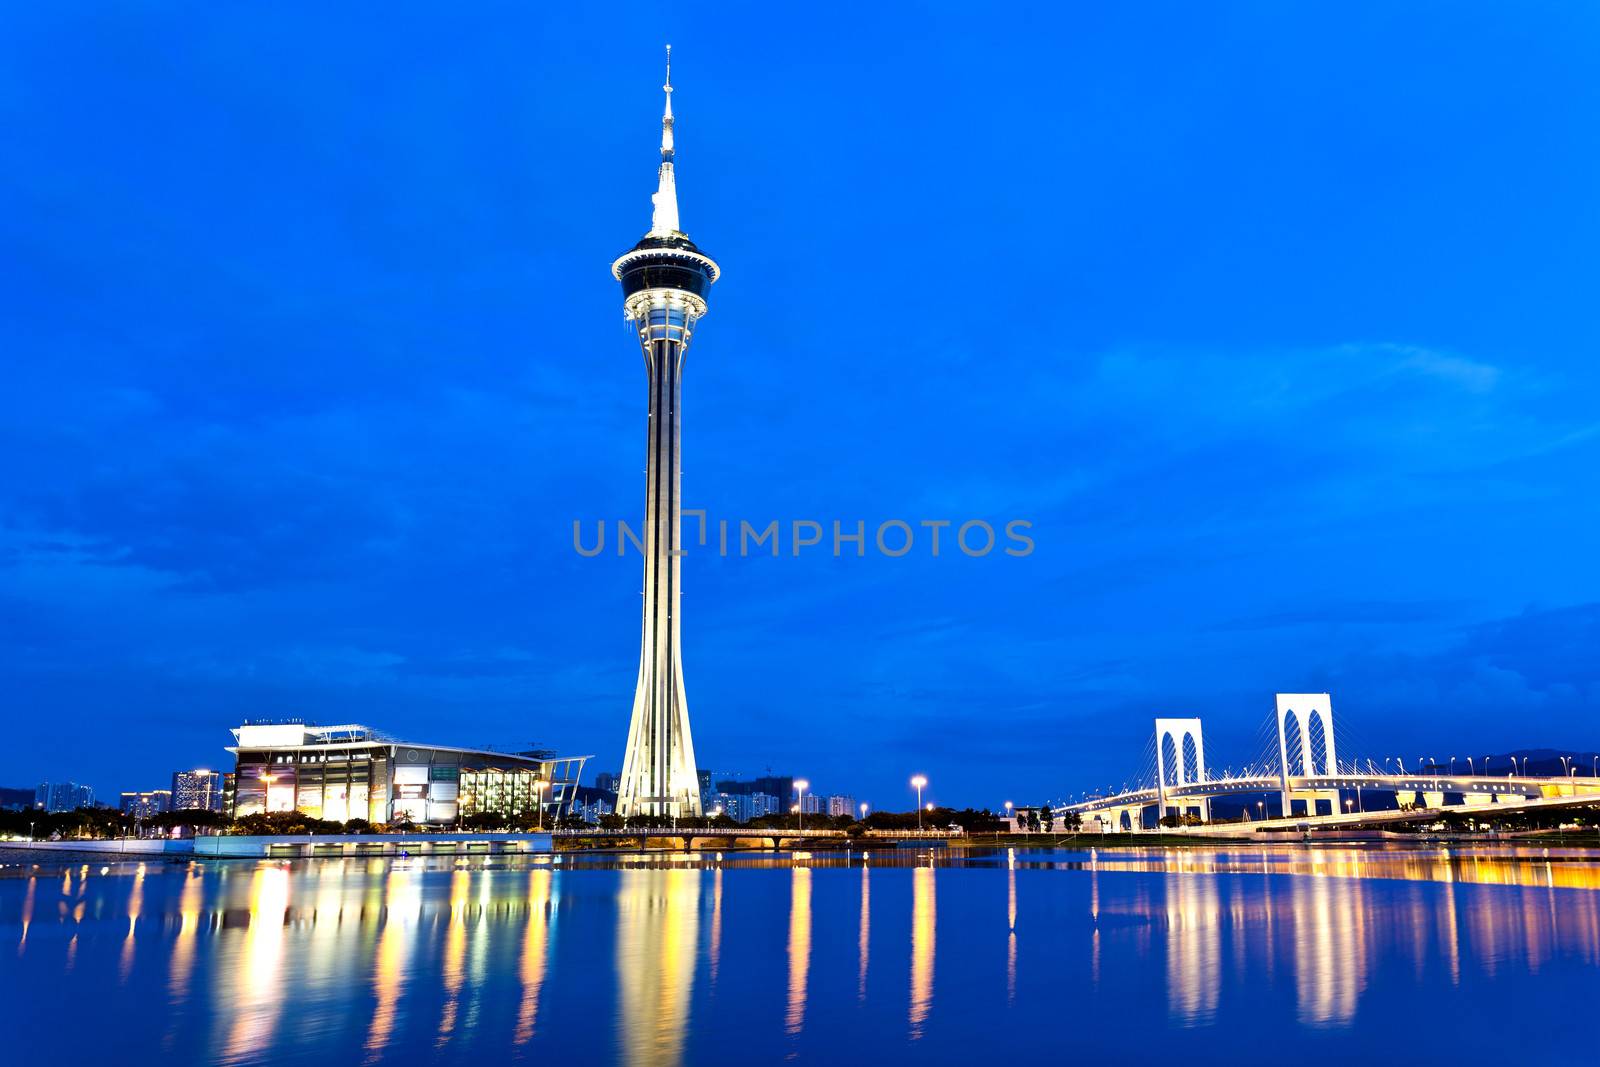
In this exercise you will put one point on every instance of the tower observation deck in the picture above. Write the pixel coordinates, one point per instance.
(665, 279)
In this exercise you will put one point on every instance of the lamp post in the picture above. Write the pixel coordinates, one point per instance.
(266, 786)
(863, 811)
(1452, 766)
(1261, 810)
(918, 781)
(800, 786)
(1008, 811)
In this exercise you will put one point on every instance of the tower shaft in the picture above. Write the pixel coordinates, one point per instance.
(658, 770)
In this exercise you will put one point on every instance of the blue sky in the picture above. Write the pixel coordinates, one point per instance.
(1276, 321)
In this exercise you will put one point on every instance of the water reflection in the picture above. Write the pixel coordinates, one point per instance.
(799, 948)
(535, 952)
(923, 920)
(258, 988)
(1194, 949)
(716, 923)
(1330, 958)
(390, 970)
(1011, 926)
(864, 933)
(459, 955)
(658, 923)
(134, 906)
(454, 970)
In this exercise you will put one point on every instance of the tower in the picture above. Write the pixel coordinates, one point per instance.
(664, 279)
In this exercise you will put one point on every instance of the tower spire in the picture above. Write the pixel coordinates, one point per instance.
(664, 220)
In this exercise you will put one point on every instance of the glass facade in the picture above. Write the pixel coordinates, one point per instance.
(384, 782)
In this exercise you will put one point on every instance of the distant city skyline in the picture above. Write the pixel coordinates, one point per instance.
(1275, 328)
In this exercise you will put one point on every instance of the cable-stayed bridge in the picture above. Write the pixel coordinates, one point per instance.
(1299, 779)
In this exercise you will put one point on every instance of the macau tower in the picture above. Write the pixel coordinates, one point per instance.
(665, 279)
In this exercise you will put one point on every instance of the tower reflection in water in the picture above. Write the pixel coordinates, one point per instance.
(658, 929)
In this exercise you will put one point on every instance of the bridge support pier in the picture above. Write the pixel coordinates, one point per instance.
(1311, 802)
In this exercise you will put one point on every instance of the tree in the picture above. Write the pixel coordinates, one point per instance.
(1048, 819)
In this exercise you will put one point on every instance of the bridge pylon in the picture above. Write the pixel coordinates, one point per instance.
(1180, 761)
(1305, 743)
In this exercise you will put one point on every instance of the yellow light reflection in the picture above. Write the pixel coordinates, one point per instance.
(923, 921)
(27, 914)
(799, 947)
(535, 953)
(402, 907)
(658, 931)
(135, 904)
(181, 965)
(259, 989)
(455, 954)
(716, 922)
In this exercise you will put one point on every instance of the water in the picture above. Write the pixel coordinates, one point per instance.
(1122, 954)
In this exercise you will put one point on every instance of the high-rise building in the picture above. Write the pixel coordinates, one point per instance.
(839, 804)
(197, 790)
(144, 805)
(742, 807)
(63, 796)
(809, 804)
(665, 279)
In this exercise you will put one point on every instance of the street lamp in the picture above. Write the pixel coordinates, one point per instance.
(1261, 810)
(863, 811)
(266, 784)
(801, 785)
(918, 781)
(1452, 766)
(1008, 811)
